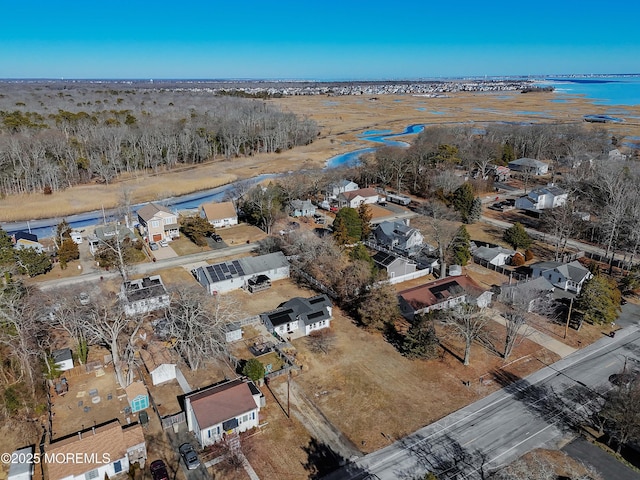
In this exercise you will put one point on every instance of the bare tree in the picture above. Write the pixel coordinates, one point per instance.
(196, 321)
(442, 229)
(322, 341)
(467, 322)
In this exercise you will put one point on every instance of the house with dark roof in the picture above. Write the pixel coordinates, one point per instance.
(394, 265)
(101, 451)
(231, 407)
(529, 165)
(447, 292)
(144, 295)
(542, 198)
(221, 214)
(299, 315)
(114, 231)
(341, 186)
(234, 274)
(63, 359)
(529, 292)
(398, 235)
(494, 255)
(567, 276)
(302, 208)
(157, 223)
(23, 240)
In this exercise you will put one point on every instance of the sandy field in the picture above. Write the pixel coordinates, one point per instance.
(341, 119)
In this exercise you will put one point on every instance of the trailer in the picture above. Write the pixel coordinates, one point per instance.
(399, 199)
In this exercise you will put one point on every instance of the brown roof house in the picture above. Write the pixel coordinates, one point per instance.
(157, 223)
(441, 294)
(220, 214)
(106, 449)
(230, 407)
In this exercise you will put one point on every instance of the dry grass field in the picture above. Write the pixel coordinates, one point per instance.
(341, 119)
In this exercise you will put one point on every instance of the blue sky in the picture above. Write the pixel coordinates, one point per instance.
(341, 40)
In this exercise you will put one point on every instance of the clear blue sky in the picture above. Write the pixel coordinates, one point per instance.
(316, 40)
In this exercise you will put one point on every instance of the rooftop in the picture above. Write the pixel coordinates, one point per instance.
(220, 210)
(144, 288)
(216, 404)
(440, 290)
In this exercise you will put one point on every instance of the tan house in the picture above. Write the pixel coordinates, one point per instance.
(158, 223)
(220, 214)
(103, 450)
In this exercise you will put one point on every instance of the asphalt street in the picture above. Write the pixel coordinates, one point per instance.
(537, 411)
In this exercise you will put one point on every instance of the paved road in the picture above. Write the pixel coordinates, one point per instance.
(529, 413)
(147, 267)
(607, 465)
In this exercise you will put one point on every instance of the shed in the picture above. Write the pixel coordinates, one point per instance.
(137, 396)
(159, 363)
(22, 469)
(63, 359)
(232, 332)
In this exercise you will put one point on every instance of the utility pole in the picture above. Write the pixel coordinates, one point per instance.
(288, 395)
(566, 327)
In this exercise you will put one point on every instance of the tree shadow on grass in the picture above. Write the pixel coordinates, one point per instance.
(322, 460)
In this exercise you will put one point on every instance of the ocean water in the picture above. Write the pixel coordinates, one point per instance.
(621, 90)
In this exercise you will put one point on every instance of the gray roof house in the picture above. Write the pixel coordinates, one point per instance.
(394, 265)
(529, 165)
(398, 236)
(493, 255)
(542, 198)
(299, 316)
(234, 274)
(567, 276)
(530, 291)
(144, 295)
(302, 208)
(341, 186)
(102, 233)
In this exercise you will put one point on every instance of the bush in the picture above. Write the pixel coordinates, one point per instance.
(528, 254)
(517, 260)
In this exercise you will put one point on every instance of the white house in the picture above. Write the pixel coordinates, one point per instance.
(493, 255)
(542, 198)
(144, 295)
(231, 407)
(23, 240)
(234, 274)
(23, 466)
(302, 208)
(222, 214)
(341, 186)
(355, 198)
(529, 292)
(398, 236)
(444, 293)
(63, 359)
(105, 451)
(158, 362)
(115, 231)
(529, 165)
(299, 314)
(567, 276)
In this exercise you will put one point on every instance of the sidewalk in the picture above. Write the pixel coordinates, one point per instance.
(542, 339)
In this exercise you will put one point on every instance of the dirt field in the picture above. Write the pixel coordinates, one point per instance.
(341, 119)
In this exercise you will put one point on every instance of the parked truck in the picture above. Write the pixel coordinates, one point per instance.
(397, 198)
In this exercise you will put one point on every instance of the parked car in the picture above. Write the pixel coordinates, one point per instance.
(163, 243)
(189, 456)
(84, 298)
(153, 246)
(216, 237)
(159, 470)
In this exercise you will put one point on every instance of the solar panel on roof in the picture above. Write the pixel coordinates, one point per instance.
(232, 269)
(224, 267)
(239, 268)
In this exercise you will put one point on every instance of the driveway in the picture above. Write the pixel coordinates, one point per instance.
(605, 464)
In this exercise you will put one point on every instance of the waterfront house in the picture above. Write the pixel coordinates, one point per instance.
(341, 186)
(103, 233)
(222, 214)
(23, 240)
(157, 223)
(355, 198)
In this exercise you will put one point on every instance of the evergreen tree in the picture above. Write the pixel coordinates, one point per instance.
(364, 212)
(517, 237)
(360, 252)
(348, 218)
(476, 211)
(31, 262)
(462, 200)
(196, 229)
(421, 340)
(508, 154)
(254, 369)
(7, 252)
(67, 252)
(461, 247)
(599, 300)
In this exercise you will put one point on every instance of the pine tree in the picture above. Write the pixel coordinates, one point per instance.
(463, 198)
(364, 212)
(476, 210)
(517, 237)
(67, 252)
(461, 247)
(421, 340)
(599, 300)
(347, 223)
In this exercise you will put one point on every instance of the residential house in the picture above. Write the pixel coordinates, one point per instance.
(302, 208)
(567, 276)
(394, 265)
(137, 396)
(232, 332)
(158, 223)
(63, 359)
(531, 291)
(355, 198)
(26, 240)
(341, 186)
(616, 155)
(529, 165)
(299, 315)
(398, 235)
(493, 255)
(22, 465)
(145, 295)
(158, 362)
(228, 408)
(222, 214)
(440, 294)
(542, 198)
(235, 274)
(104, 451)
(103, 233)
